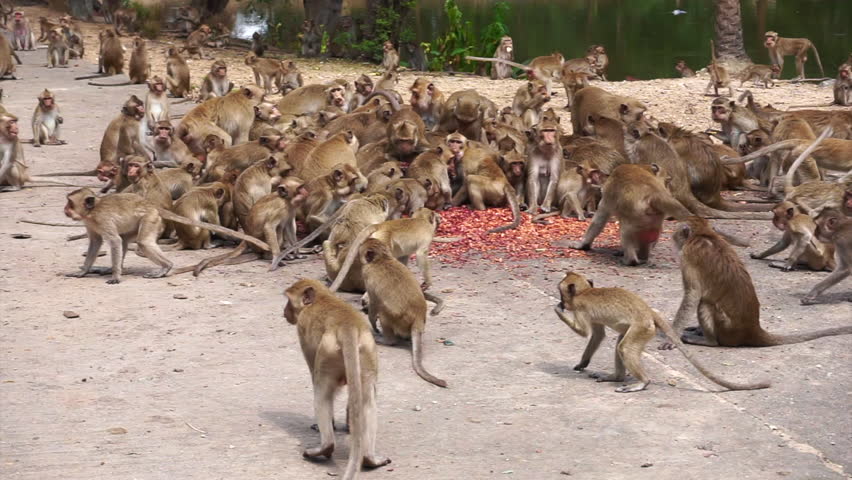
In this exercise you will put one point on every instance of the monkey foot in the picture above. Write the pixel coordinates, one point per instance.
(76, 274)
(808, 300)
(697, 339)
(581, 366)
(113, 281)
(382, 340)
(375, 461)
(600, 377)
(335, 426)
(576, 245)
(635, 387)
(782, 266)
(313, 453)
(101, 270)
(162, 273)
(666, 346)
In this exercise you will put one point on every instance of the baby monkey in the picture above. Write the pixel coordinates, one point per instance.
(585, 308)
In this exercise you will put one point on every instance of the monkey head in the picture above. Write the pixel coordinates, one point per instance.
(266, 112)
(388, 46)
(335, 96)
(632, 110)
(9, 127)
(346, 179)
(506, 144)
(404, 136)
(138, 42)
(326, 115)
(546, 133)
(783, 213)
(827, 224)
(163, 133)
(373, 249)
(845, 73)
(467, 108)
(570, 286)
(680, 66)
(776, 70)
(19, 19)
(292, 189)
(80, 203)
(515, 162)
(206, 29)
(134, 107)
(219, 69)
(457, 143)
(137, 168)
(690, 227)
(770, 39)
(537, 88)
(290, 77)
(277, 166)
(422, 91)
(847, 202)
(106, 171)
(720, 110)
(430, 215)
(364, 85)
(275, 143)
(506, 44)
(300, 296)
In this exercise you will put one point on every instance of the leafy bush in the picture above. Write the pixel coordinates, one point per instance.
(449, 49)
(148, 18)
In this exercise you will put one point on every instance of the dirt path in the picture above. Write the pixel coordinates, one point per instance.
(126, 389)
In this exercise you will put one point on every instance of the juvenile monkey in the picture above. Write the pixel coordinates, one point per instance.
(265, 69)
(585, 308)
(46, 120)
(396, 301)
(257, 45)
(573, 82)
(637, 196)
(140, 69)
(168, 150)
(46, 26)
(719, 77)
(126, 123)
(390, 57)
(265, 116)
(256, 181)
(216, 83)
(780, 47)
(57, 49)
(196, 41)
(404, 236)
(543, 166)
(177, 74)
(13, 170)
(363, 89)
(111, 53)
(835, 228)
(760, 73)
(719, 291)
(684, 69)
(800, 232)
(156, 103)
(505, 51)
(547, 68)
(22, 35)
(529, 101)
(339, 350)
(601, 60)
(594, 100)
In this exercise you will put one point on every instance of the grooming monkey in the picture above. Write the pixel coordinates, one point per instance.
(339, 350)
(427, 100)
(834, 227)
(46, 120)
(719, 291)
(265, 117)
(780, 47)
(585, 308)
(257, 181)
(800, 232)
(168, 150)
(601, 60)
(121, 218)
(396, 301)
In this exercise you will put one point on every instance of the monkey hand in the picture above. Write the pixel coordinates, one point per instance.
(79, 274)
(59, 120)
(754, 256)
(808, 300)
(581, 366)
(666, 346)
(579, 245)
(113, 281)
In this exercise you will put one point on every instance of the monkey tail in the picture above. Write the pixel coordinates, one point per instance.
(218, 259)
(90, 173)
(417, 359)
(784, 145)
(325, 226)
(167, 215)
(351, 254)
(499, 60)
(696, 207)
(438, 301)
(748, 95)
(713, 51)
(772, 340)
(788, 179)
(541, 216)
(819, 62)
(509, 192)
(349, 342)
(388, 96)
(672, 336)
(15, 54)
(87, 77)
(111, 84)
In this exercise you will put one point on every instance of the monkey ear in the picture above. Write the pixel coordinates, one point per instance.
(271, 162)
(591, 120)
(149, 166)
(398, 194)
(256, 110)
(427, 184)
(370, 255)
(219, 193)
(655, 168)
(830, 223)
(592, 283)
(790, 212)
(572, 289)
(308, 296)
(282, 191)
(580, 169)
(247, 92)
(264, 140)
(623, 108)
(337, 175)
(89, 202)
(391, 172)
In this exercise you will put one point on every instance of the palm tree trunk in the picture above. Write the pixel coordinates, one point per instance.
(729, 31)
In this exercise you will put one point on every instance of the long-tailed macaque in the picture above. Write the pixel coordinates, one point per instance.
(780, 47)
(505, 51)
(46, 121)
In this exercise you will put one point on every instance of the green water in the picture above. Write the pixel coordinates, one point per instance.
(642, 37)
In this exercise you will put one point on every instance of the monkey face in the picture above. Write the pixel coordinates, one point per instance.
(11, 128)
(456, 145)
(548, 136)
(336, 98)
(221, 71)
(79, 203)
(771, 40)
(164, 134)
(134, 170)
(719, 113)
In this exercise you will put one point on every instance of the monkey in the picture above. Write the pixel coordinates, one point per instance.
(265, 116)
(719, 77)
(156, 103)
(762, 73)
(46, 120)
(288, 77)
(57, 49)
(145, 183)
(780, 47)
(338, 149)
(125, 18)
(843, 86)
(637, 196)
(339, 350)
(585, 308)
(215, 83)
(313, 98)
(529, 101)
(834, 227)
(242, 156)
(363, 89)
(404, 237)
(402, 309)
(257, 181)
(181, 179)
(718, 288)
(188, 19)
(121, 218)
(505, 51)
(345, 34)
(229, 117)
(73, 36)
(433, 164)
(543, 165)
(799, 231)
(111, 54)
(7, 64)
(547, 68)
(390, 57)
(601, 60)
(584, 65)
(594, 100)
(221, 37)
(264, 69)
(177, 74)
(608, 130)
(734, 119)
(379, 178)
(168, 150)
(388, 82)
(195, 42)
(128, 121)
(464, 112)
(311, 38)
(13, 170)
(574, 192)
(22, 35)
(573, 82)
(258, 47)
(140, 69)
(328, 192)
(427, 100)
(684, 69)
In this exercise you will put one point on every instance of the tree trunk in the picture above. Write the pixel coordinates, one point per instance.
(325, 13)
(210, 8)
(729, 31)
(81, 9)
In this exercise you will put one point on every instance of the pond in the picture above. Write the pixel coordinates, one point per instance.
(644, 38)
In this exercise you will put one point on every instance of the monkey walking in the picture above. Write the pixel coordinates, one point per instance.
(835, 228)
(339, 350)
(584, 307)
(779, 47)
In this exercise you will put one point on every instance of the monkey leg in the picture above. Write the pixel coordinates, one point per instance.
(620, 373)
(368, 442)
(147, 241)
(595, 228)
(778, 247)
(325, 384)
(475, 193)
(388, 338)
(630, 349)
(707, 314)
(372, 313)
(688, 310)
(631, 247)
(840, 272)
(425, 267)
(598, 334)
(95, 242)
(572, 200)
(116, 256)
(799, 249)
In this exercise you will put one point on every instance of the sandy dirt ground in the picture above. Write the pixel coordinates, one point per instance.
(180, 378)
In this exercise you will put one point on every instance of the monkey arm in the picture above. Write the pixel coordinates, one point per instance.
(688, 306)
(580, 327)
(778, 247)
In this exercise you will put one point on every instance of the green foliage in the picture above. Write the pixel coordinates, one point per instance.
(449, 50)
(148, 18)
(324, 42)
(392, 23)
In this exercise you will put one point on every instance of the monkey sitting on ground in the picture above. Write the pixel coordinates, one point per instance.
(836, 228)
(13, 170)
(396, 301)
(684, 69)
(587, 309)
(800, 232)
(719, 291)
(339, 350)
(390, 57)
(215, 83)
(46, 120)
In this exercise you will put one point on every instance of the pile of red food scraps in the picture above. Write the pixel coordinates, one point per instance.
(528, 241)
